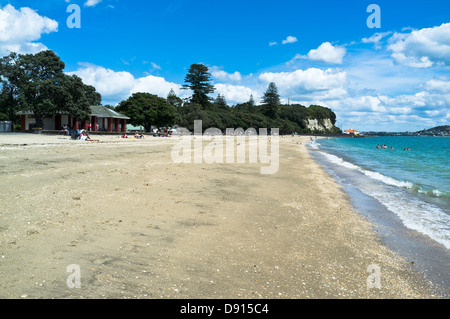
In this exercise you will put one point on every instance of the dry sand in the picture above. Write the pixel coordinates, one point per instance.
(140, 226)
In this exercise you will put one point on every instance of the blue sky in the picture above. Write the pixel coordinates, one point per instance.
(394, 78)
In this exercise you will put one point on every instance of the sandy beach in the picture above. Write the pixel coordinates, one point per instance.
(139, 225)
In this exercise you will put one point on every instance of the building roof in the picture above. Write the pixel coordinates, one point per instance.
(103, 111)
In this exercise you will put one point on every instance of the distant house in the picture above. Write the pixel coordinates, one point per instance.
(102, 119)
(355, 132)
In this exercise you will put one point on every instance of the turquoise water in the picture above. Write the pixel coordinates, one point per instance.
(414, 184)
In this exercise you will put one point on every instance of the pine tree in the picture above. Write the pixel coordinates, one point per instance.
(198, 80)
(174, 100)
(271, 101)
(221, 102)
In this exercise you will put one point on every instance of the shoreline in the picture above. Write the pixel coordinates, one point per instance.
(428, 257)
(141, 226)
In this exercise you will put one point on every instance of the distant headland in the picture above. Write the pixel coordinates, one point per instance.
(443, 130)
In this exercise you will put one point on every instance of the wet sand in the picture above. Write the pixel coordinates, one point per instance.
(140, 226)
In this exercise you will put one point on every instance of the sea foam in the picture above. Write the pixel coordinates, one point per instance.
(415, 214)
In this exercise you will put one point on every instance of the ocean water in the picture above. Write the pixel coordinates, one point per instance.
(414, 185)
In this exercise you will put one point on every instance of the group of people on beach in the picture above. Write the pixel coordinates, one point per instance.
(384, 146)
(136, 135)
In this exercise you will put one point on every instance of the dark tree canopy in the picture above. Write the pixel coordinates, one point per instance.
(199, 80)
(30, 80)
(148, 110)
(173, 99)
(220, 102)
(36, 83)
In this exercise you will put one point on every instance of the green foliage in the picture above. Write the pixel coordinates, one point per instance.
(148, 110)
(75, 97)
(94, 98)
(198, 81)
(271, 114)
(36, 83)
(174, 100)
(271, 101)
(220, 102)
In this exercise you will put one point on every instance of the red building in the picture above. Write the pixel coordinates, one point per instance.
(102, 119)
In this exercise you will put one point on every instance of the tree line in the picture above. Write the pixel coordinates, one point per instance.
(146, 109)
(36, 83)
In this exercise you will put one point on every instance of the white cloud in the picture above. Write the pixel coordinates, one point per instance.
(328, 53)
(299, 82)
(236, 93)
(376, 39)
(92, 3)
(290, 39)
(415, 62)
(438, 85)
(221, 75)
(115, 86)
(422, 48)
(273, 43)
(20, 28)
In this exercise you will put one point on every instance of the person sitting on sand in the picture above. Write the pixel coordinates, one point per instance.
(124, 136)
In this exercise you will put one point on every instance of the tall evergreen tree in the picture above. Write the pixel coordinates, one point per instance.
(174, 100)
(199, 80)
(251, 101)
(271, 101)
(221, 102)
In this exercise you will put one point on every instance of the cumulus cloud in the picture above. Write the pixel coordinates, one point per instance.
(422, 103)
(328, 53)
(422, 48)
(19, 29)
(221, 75)
(116, 86)
(438, 85)
(299, 82)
